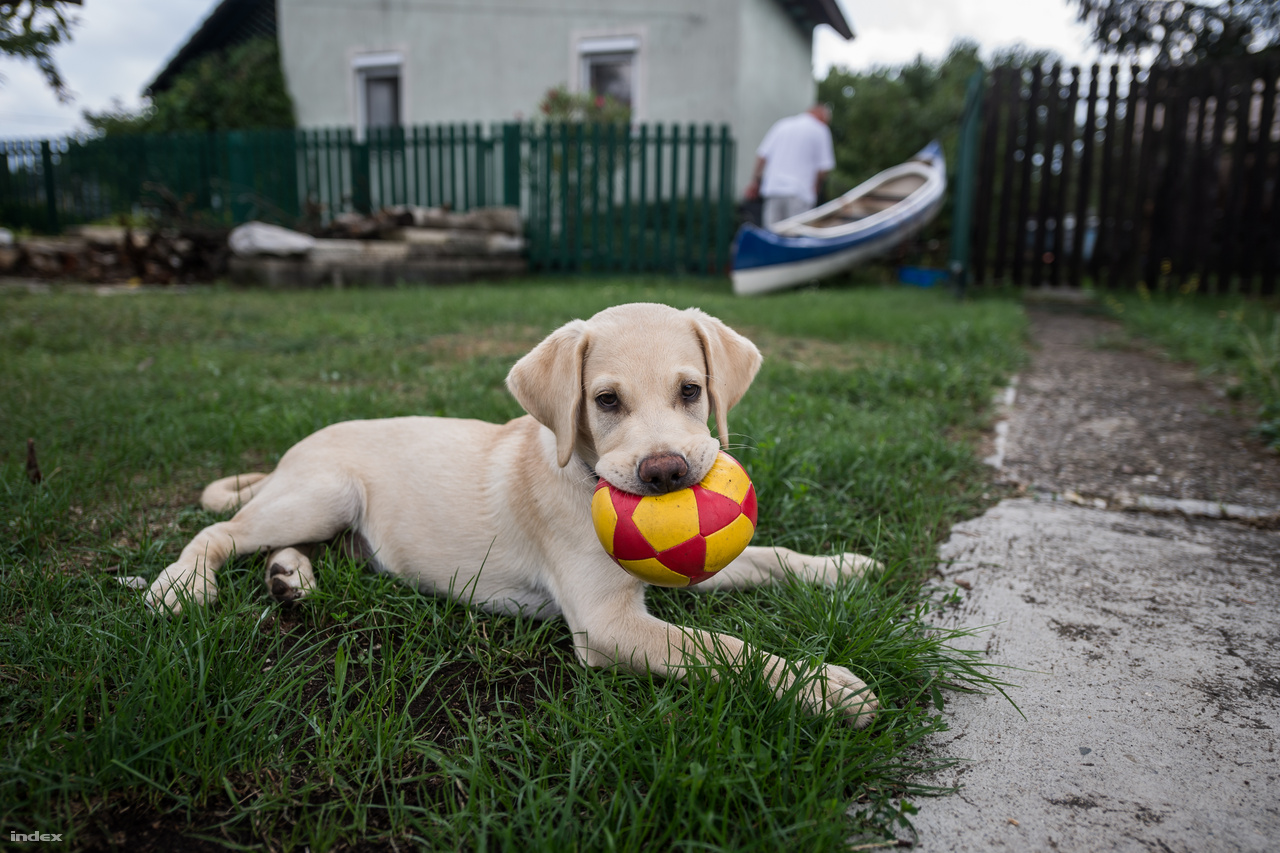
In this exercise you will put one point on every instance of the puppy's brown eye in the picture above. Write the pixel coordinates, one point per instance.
(690, 392)
(607, 400)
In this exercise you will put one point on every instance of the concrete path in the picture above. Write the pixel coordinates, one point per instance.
(1145, 647)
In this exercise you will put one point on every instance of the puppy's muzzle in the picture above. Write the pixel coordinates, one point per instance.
(663, 472)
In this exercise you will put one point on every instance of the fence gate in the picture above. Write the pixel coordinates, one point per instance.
(1158, 178)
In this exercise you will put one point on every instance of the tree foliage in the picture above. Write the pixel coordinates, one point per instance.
(1183, 32)
(237, 89)
(881, 117)
(30, 29)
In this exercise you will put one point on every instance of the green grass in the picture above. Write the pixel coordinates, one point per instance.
(372, 714)
(1234, 340)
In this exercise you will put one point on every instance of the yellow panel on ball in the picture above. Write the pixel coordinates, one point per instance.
(727, 478)
(604, 517)
(667, 520)
(724, 546)
(651, 571)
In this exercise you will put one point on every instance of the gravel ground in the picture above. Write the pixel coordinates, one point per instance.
(1101, 418)
(1144, 647)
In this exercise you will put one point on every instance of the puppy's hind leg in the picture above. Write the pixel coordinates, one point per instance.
(290, 576)
(288, 511)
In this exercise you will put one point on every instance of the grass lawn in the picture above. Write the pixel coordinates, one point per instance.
(372, 715)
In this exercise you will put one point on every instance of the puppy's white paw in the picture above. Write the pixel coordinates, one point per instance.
(178, 586)
(838, 689)
(290, 576)
(853, 565)
(829, 570)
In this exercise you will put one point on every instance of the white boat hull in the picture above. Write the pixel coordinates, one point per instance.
(809, 247)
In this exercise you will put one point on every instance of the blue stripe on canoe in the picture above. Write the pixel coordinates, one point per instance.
(758, 247)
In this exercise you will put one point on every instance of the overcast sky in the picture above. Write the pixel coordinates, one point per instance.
(120, 45)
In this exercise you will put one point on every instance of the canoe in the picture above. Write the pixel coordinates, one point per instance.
(869, 220)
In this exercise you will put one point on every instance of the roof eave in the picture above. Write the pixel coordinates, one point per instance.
(833, 16)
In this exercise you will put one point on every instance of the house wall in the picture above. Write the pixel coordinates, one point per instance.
(743, 62)
(774, 76)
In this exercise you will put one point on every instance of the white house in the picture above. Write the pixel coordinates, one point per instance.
(745, 63)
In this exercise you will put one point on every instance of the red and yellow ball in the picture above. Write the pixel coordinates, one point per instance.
(680, 538)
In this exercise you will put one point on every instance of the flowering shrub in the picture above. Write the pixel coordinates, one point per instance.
(561, 105)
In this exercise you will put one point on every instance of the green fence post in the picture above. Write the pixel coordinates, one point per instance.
(50, 188)
(966, 181)
(240, 174)
(725, 202)
(361, 199)
(511, 164)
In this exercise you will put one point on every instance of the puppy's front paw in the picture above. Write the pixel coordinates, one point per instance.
(829, 570)
(178, 586)
(838, 689)
(853, 565)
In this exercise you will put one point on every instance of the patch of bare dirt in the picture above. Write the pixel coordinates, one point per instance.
(813, 354)
(508, 341)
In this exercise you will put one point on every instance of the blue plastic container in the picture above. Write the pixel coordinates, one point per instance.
(922, 276)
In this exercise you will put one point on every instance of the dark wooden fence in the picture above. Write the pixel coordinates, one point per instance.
(1123, 177)
(598, 198)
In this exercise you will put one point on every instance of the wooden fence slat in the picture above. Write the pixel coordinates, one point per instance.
(1067, 124)
(986, 174)
(1197, 234)
(1122, 230)
(1239, 108)
(1052, 120)
(1172, 212)
(1006, 218)
(1106, 185)
(1084, 184)
(1024, 186)
(1270, 225)
(1255, 182)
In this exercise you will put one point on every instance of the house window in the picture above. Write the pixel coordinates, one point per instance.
(608, 67)
(382, 98)
(379, 91)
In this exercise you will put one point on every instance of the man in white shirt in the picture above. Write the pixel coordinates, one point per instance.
(791, 164)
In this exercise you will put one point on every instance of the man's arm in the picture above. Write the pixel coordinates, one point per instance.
(753, 188)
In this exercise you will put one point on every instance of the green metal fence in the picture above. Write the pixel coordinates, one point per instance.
(596, 198)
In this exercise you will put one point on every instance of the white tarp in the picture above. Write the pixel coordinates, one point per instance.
(259, 238)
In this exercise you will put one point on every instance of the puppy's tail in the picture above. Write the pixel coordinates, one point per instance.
(232, 492)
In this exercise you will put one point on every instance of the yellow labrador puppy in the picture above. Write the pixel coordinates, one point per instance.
(500, 514)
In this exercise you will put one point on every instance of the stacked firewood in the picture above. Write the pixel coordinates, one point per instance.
(393, 246)
(112, 253)
(395, 243)
(390, 222)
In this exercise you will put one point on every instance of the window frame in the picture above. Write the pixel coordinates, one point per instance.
(374, 66)
(588, 46)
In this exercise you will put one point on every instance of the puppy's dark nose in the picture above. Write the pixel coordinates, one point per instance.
(663, 471)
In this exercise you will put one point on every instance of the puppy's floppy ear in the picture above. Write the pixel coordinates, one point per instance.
(548, 383)
(732, 362)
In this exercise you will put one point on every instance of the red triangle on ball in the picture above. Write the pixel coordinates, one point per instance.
(628, 542)
(689, 558)
(715, 511)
